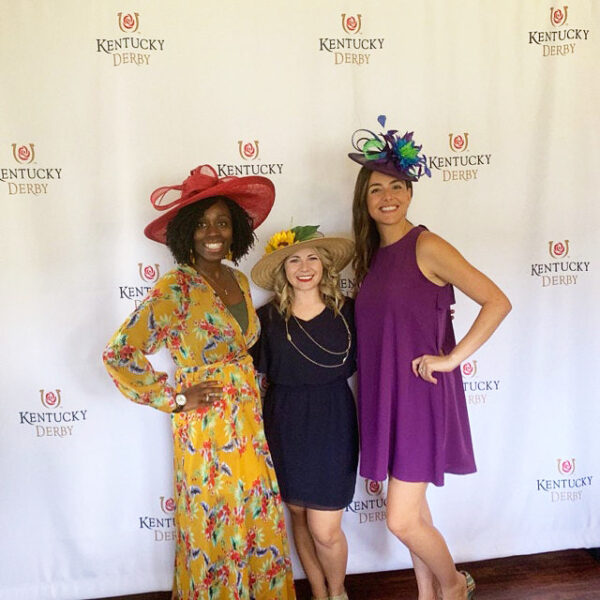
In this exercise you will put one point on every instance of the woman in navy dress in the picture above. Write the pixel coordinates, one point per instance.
(307, 352)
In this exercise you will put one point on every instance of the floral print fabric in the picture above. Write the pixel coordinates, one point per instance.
(231, 540)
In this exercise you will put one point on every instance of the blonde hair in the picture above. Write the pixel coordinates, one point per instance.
(329, 286)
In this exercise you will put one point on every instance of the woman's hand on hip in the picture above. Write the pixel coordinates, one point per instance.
(202, 395)
(424, 366)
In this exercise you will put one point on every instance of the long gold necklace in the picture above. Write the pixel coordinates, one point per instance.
(345, 353)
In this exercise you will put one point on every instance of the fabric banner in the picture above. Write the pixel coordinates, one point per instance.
(104, 101)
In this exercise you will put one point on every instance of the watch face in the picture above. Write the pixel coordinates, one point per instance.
(180, 400)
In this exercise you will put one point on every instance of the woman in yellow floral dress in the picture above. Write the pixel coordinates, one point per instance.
(231, 539)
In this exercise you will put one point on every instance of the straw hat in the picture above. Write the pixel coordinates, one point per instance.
(287, 242)
(254, 194)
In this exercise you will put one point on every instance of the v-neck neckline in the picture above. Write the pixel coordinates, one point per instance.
(224, 307)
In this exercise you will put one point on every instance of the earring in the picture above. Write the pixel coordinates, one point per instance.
(229, 255)
(192, 257)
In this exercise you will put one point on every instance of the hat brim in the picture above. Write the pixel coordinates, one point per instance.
(340, 250)
(382, 166)
(254, 194)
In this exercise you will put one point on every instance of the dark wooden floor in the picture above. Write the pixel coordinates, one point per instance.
(567, 575)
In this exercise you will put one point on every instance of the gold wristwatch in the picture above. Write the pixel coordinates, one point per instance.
(180, 401)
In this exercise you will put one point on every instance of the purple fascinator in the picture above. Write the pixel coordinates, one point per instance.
(389, 153)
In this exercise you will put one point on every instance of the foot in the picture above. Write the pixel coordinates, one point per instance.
(459, 591)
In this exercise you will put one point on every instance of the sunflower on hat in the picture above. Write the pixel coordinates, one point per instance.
(289, 237)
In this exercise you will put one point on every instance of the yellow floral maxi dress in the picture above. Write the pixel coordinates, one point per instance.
(231, 539)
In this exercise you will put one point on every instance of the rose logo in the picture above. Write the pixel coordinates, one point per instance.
(458, 143)
(558, 17)
(167, 505)
(23, 153)
(148, 273)
(129, 23)
(374, 488)
(558, 249)
(351, 24)
(50, 399)
(566, 467)
(249, 150)
(469, 368)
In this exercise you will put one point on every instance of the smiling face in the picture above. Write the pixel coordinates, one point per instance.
(213, 236)
(304, 269)
(388, 199)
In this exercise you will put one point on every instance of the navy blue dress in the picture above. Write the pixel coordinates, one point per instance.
(309, 410)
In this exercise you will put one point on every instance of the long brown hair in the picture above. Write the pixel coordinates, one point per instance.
(366, 236)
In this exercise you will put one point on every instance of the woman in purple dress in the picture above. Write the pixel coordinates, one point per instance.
(412, 411)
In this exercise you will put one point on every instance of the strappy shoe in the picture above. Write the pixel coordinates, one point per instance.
(470, 585)
(343, 596)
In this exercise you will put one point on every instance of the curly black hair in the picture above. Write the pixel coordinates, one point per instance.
(180, 230)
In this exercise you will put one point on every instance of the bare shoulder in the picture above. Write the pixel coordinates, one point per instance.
(431, 246)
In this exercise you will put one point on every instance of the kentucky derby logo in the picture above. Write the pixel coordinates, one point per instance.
(369, 510)
(351, 24)
(129, 23)
(560, 39)
(52, 423)
(27, 179)
(458, 143)
(352, 49)
(373, 488)
(130, 49)
(558, 249)
(567, 488)
(248, 150)
(564, 270)
(23, 154)
(480, 390)
(469, 368)
(162, 527)
(558, 16)
(461, 165)
(50, 399)
(149, 273)
(167, 505)
(566, 467)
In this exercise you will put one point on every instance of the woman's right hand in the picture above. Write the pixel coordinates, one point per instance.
(202, 395)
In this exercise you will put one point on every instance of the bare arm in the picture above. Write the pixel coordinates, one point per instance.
(441, 263)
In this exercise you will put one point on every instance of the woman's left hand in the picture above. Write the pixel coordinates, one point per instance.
(424, 366)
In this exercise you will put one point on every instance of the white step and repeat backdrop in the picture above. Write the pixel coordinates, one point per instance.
(103, 101)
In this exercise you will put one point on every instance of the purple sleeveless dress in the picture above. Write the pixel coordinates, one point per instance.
(410, 429)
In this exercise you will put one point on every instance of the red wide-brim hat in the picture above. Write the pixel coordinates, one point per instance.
(254, 194)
